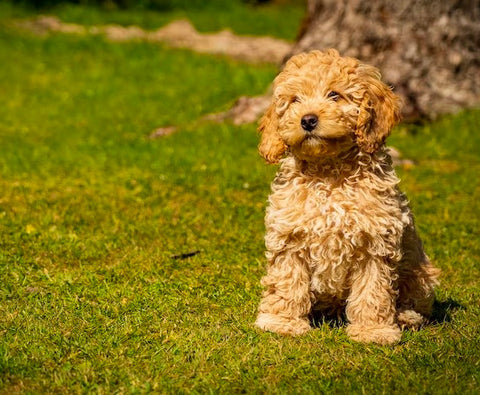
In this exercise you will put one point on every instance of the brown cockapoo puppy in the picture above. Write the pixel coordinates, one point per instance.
(340, 236)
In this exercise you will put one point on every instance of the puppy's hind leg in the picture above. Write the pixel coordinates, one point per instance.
(416, 283)
(286, 303)
(416, 294)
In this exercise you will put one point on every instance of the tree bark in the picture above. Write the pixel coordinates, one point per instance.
(429, 51)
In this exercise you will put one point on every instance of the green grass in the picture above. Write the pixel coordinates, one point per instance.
(91, 213)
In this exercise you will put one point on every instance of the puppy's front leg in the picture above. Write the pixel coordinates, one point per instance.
(286, 304)
(371, 304)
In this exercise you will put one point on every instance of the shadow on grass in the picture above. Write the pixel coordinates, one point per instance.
(336, 319)
(441, 313)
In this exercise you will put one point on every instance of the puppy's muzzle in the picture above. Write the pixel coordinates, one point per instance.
(309, 122)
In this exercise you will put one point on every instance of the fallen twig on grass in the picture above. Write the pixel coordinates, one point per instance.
(185, 255)
(162, 132)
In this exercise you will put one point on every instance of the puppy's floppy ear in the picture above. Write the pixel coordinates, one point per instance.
(379, 110)
(271, 145)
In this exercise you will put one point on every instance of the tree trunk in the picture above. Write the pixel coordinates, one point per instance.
(428, 50)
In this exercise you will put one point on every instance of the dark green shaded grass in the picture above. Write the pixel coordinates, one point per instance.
(91, 213)
(280, 20)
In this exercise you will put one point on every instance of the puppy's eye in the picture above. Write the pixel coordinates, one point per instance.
(295, 99)
(333, 95)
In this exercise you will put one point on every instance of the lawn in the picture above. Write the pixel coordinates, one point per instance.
(94, 216)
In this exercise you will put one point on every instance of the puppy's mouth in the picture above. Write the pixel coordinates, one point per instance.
(324, 131)
(316, 142)
(313, 147)
(313, 138)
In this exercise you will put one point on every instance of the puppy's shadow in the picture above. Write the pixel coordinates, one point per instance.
(441, 313)
(337, 319)
(443, 309)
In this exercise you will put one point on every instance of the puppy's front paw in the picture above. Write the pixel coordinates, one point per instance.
(284, 326)
(387, 334)
(410, 319)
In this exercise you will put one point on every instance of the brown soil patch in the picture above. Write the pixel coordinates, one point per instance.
(178, 34)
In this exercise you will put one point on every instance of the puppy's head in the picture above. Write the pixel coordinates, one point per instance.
(324, 104)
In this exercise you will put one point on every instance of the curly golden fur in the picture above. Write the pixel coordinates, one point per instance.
(340, 236)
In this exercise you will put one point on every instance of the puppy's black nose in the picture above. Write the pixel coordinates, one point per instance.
(309, 122)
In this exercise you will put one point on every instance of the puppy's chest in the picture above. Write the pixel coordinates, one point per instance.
(321, 208)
